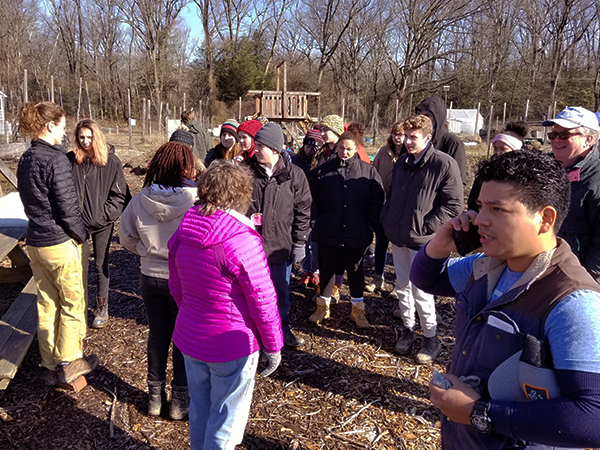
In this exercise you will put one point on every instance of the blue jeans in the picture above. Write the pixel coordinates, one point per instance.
(280, 275)
(310, 263)
(220, 399)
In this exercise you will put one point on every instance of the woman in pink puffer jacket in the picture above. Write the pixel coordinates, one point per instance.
(218, 276)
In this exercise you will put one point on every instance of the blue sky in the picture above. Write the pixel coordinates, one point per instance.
(190, 15)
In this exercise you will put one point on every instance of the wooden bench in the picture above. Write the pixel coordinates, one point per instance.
(17, 329)
(19, 324)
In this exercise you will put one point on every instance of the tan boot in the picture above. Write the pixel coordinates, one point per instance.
(358, 315)
(321, 313)
(335, 293)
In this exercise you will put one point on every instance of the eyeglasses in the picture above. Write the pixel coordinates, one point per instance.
(563, 136)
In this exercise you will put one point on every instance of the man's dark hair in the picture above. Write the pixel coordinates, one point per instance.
(538, 178)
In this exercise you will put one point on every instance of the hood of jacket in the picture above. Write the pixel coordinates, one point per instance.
(208, 231)
(436, 106)
(166, 203)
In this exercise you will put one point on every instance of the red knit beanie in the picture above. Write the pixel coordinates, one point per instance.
(250, 126)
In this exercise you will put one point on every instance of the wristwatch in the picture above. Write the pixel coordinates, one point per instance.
(479, 418)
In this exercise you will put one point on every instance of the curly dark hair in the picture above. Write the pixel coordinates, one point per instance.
(538, 178)
(225, 185)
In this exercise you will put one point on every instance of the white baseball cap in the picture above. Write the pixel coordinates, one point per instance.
(574, 117)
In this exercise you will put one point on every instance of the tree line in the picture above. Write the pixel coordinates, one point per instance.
(377, 55)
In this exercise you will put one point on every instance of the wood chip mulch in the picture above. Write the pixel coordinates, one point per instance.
(344, 389)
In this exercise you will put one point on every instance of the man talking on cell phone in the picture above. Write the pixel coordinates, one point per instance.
(525, 368)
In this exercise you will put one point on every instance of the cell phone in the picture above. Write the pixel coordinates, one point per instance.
(441, 381)
(466, 241)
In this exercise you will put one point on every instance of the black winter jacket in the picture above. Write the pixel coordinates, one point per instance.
(102, 190)
(48, 195)
(284, 201)
(581, 227)
(347, 200)
(421, 198)
(442, 139)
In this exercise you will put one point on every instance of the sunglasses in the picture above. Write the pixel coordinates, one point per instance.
(563, 136)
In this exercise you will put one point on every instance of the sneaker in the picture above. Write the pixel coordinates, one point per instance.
(321, 313)
(306, 278)
(316, 280)
(430, 351)
(358, 315)
(68, 372)
(405, 341)
(50, 377)
(292, 340)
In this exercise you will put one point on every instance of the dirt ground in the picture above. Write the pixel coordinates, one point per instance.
(345, 388)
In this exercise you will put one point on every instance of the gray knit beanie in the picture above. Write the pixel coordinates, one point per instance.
(271, 136)
(183, 137)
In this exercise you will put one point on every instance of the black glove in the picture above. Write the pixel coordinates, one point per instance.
(274, 361)
(298, 253)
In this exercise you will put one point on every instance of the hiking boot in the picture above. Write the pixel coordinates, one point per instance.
(180, 402)
(405, 341)
(358, 315)
(70, 371)
(377, 284)
(335, 293)
(430, 351)
(50, 377)
(292, 340)
(157, 397)
(101, 316)
(321, 313)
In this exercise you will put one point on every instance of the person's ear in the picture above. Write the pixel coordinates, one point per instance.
(548, 219)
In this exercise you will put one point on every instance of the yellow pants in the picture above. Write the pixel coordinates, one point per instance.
(61, 282)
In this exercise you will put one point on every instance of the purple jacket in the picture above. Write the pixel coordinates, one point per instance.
(218, 276)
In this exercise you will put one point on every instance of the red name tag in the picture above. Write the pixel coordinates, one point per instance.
(574, 175)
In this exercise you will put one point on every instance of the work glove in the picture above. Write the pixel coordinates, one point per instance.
(298, 253)
(274, 360)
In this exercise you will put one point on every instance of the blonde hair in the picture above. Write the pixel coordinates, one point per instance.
(99, 154)
(33, 118)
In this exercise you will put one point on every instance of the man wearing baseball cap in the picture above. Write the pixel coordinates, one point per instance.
(574, 139)
(281, 214)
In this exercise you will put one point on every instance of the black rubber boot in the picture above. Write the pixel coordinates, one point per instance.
(157, 397)
(180, 402)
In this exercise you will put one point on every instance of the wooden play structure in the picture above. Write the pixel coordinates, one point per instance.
(283, 106)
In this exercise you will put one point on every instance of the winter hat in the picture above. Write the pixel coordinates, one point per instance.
(334, 123)
(250, 126)
(313, 135)
(182, 137)
(271, 136)
(230, 125)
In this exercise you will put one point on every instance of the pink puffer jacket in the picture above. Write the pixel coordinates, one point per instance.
(219, 277)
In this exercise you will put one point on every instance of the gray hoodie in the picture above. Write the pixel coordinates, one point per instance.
(150, 220)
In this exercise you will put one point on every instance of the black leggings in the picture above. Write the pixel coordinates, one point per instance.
(101, 243)
(334, 260)
(161, 311)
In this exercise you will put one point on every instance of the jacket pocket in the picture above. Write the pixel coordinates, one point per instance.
(500, 339)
